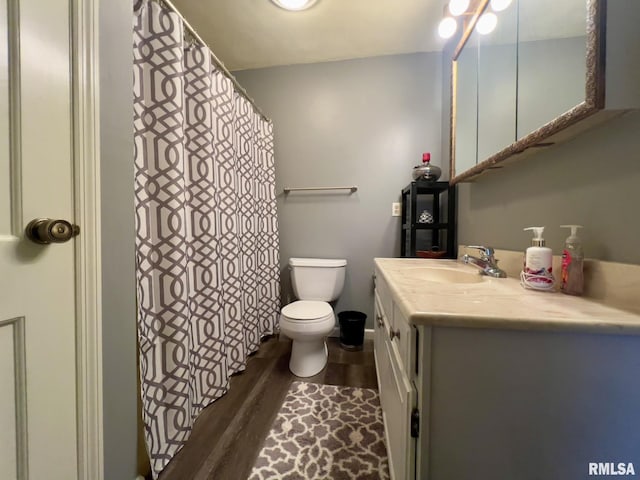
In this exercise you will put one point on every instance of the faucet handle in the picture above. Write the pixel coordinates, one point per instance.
(485, 252)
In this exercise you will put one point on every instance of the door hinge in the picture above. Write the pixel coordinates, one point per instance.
(415, 423)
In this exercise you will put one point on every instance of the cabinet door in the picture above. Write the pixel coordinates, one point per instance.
(464, 148)
(551, 62)
(497, 80)
(397, 398)
(400, 400)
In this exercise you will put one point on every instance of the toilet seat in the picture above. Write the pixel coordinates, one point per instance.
(307, 311)
(307, 323)
(307, 318)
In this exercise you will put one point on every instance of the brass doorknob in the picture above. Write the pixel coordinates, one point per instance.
(46, 230)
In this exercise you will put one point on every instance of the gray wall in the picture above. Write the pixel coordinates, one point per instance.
(118, 288)
(360, 122)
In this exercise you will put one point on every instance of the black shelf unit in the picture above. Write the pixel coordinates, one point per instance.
(443, 210)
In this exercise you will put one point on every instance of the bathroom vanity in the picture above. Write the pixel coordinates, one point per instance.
(480, 379)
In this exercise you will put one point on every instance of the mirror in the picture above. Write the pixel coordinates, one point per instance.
(466, 120)
(551, 60)
(528, 79)
(497, 81)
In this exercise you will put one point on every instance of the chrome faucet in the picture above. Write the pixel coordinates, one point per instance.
(487, 262)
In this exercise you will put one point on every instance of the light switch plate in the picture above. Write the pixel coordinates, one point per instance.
(396, 209)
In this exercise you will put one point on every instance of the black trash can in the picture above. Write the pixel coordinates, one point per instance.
(351, 329)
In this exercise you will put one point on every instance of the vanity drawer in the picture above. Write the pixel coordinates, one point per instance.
(404, 339)
(381, 337)
(384, 295)
(381, 325)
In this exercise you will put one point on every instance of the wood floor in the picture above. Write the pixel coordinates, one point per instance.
(227, 436)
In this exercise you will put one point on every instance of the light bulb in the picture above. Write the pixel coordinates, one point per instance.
(447, 27)
(499, 5)
(486, 23)
(458, 7)
(294, 4)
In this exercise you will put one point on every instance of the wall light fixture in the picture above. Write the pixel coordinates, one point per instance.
(465, 9)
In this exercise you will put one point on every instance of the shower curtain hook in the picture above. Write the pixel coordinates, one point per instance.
(188, 39)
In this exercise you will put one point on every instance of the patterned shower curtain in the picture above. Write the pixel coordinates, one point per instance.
(206, 231)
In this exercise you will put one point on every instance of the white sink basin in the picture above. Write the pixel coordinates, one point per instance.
(443, 275)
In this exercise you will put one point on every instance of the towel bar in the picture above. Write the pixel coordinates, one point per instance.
(304, 189)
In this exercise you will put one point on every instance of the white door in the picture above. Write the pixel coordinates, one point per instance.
(38, 438)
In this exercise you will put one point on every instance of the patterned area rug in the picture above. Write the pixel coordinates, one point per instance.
(325, 432)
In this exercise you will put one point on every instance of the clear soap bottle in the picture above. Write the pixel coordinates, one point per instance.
(572, 263)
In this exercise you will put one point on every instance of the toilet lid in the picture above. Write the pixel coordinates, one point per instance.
(307, 310)
(317, 262)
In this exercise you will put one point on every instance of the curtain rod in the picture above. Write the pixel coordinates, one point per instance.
(218, 62)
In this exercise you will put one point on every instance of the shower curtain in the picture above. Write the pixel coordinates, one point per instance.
(207, 262)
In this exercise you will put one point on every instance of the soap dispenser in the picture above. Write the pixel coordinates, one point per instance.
(572, 263)
(538, 263)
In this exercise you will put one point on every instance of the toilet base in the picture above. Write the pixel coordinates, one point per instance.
(308, 357)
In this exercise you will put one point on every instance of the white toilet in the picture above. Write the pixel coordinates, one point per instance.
(309, 320)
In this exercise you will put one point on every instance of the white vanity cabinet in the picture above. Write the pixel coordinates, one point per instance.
(480, 394)
(397, 391)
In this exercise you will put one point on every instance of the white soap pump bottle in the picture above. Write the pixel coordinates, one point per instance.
(572, 263)
(538, 263)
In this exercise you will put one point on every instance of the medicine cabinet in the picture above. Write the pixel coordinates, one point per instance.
(548, 71)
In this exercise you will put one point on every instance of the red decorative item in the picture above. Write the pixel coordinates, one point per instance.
(426, 171)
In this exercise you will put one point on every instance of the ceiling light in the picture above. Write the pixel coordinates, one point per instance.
(294, 5)
(458, 7)
(447, 27)
(499, 5)
(486, 23)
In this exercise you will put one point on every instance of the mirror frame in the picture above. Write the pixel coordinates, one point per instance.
(593, 102)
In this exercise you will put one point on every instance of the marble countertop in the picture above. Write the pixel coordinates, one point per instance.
(421, 290)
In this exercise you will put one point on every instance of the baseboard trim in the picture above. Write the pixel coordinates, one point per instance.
(368, 333)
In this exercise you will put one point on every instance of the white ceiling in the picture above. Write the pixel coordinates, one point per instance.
(248, 34)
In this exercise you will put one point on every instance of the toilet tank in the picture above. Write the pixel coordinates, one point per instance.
(317, 278)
